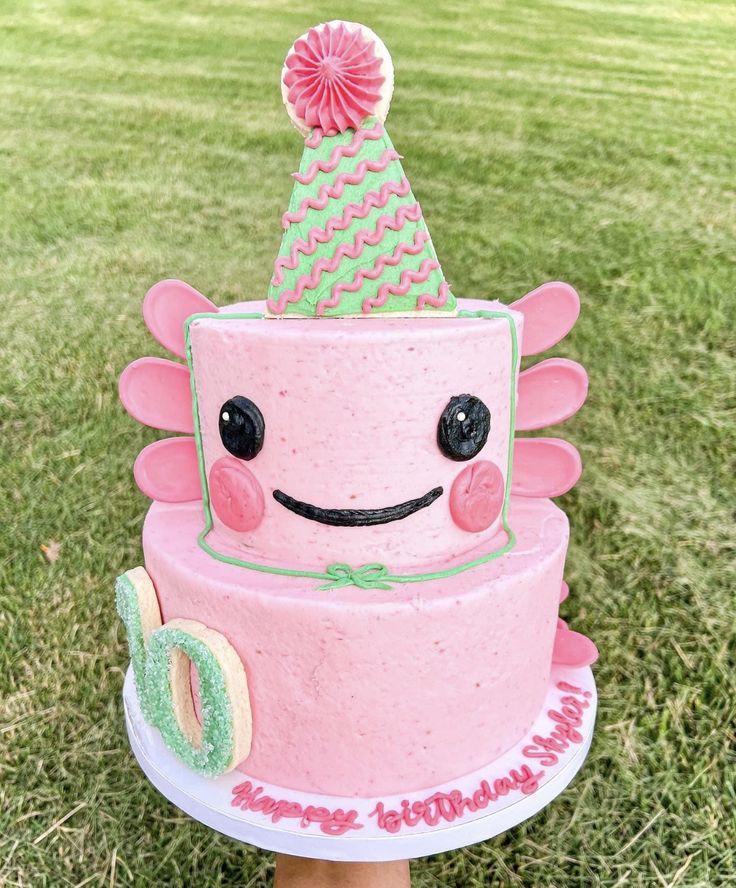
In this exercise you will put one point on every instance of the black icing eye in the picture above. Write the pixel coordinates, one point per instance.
(463, 427)
(242, 427)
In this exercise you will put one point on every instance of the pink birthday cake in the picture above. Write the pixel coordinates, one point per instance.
(353, 567)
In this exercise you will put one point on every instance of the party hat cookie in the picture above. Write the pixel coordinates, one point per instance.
(355, 240)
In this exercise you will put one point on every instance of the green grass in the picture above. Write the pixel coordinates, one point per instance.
(592, 142)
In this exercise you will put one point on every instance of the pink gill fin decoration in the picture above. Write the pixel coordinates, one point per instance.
(157, 393)
(168, 471)
(549, 393)
(165, 309)
(572, 648)
(550, 313)
(544, 467)
(564, 591)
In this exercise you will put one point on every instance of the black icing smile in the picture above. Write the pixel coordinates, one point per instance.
(357, 517)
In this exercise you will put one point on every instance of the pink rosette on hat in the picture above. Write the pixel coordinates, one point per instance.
(335, 76)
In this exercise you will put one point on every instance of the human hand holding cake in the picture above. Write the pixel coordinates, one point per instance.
(350, 544)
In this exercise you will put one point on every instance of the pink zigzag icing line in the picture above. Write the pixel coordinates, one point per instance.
(334, 191)
(315, 140)
(420, 238)
(373, 199)
(365, 237)
(407, 279)
(338, 152)
(434, 301)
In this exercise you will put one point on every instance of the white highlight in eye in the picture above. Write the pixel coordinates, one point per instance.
(460, 417)
(225, 416)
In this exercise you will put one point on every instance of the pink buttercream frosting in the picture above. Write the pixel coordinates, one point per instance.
(333, 78)
(361, 692)
(334, 397)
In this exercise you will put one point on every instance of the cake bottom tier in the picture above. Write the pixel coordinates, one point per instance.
(361, 692)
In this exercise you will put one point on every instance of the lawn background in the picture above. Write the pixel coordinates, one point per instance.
(589, 142)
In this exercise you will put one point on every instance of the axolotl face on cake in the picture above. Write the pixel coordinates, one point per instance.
(308, 432)
(336, 406)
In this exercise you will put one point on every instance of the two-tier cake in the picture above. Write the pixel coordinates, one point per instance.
(353, 569)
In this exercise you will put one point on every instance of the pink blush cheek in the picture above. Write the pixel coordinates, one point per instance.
(235, 494)
(476, 497)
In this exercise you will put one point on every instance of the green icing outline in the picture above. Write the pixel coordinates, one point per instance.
(215, 754)
(126, 603)
(339, 575)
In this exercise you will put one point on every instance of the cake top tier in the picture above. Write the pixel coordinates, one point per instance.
(355, 243)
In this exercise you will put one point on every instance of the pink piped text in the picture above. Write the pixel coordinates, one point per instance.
(453, 805)
(333, 823)
(568, 718)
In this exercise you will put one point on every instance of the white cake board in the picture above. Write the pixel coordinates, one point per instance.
(209, 800)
